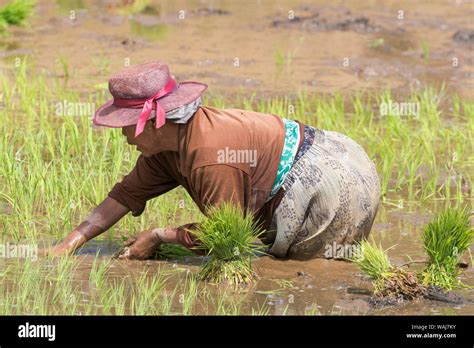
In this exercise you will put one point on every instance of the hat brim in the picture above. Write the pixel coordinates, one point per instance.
(109, 115)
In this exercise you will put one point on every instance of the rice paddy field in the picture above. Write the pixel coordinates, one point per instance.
(55, 167)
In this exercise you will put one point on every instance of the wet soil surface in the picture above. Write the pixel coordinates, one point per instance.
(318, 286)
(263, 48)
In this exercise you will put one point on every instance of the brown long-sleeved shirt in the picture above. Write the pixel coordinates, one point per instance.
(224, 155)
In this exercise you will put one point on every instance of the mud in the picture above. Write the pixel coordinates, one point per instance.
(435, 293)
(464, 36)
(256, 49)
(318, 286)
(326, 19)
(336, 287)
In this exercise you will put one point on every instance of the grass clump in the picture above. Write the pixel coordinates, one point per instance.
(388, 281)
(227, 236)
(16, 13)
(444, 240)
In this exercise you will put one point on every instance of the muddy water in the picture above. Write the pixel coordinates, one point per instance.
(338, 287)
(290, 287)
(321, 286)
(327, 46)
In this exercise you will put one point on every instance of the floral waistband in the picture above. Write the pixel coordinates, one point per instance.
(291, 153)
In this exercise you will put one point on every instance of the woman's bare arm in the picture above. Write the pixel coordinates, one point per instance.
(104, 216)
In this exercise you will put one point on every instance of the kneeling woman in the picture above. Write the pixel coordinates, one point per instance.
(311, 189)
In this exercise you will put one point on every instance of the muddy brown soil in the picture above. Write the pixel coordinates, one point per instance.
(266, 48)
(318, 286)
(330, 287)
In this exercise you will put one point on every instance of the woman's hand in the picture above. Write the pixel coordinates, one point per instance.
(142, 246)
(104, 216)
(72, 242)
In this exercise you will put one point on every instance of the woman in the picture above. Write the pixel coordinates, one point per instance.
(312, 190)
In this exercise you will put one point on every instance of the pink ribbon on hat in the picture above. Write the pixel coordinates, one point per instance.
(147, 105)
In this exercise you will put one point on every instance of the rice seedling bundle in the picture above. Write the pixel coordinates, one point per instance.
(444, 240)
(227, 235)
(388, 281)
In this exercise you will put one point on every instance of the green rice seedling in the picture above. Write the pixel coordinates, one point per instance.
(3, 26)
(26, 283)
(106, 302)
(282, 60)
(425, 50)
(262, 309)
(102, 64)
(456, 106)
(63, 62)
(119, 297)
(5, 272)
(311, 310)
(187, 298)
(136, 6)
(272, 292)
(227, 235)
(98, 271)
(70, 303)
(227, 308)
(166, 301)
(373, 261)
(150, 32)
(112, 298)
(61, 277)
(8, 90)
(29, 293)
(172, 251)
(88, 302)
(444, 240)
(285, 284)
(227, 303)
(468, 108)
(388, 281)
(17, 11)
(65, 6)
(376, 43)
(147, 293)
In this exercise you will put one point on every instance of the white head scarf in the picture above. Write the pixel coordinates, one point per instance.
(183, 113)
